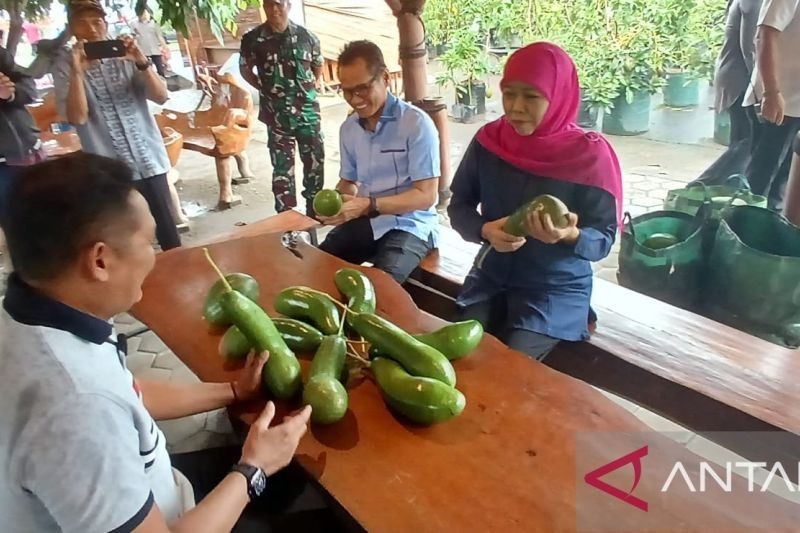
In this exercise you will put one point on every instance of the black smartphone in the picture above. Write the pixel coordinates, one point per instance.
(104, 49)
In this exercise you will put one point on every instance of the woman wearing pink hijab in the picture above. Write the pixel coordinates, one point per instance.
(534, 292)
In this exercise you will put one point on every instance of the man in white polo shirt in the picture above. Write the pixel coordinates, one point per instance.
(775, 88)
(79, 447)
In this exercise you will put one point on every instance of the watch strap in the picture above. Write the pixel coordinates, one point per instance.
(248, 471)
(373, 207)
(144, 66)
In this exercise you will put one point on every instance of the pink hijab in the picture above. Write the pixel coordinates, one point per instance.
(558, 148)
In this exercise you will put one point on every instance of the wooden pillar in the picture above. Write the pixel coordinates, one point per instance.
(414, 62)
(792, 202)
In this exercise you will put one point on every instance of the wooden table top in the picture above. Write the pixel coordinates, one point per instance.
(510, 462)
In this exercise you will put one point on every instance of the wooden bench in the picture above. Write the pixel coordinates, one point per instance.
(703, 375)
(223, 131)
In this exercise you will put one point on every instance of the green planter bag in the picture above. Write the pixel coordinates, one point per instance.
(735, 191)
(754, 276)
(661, 255)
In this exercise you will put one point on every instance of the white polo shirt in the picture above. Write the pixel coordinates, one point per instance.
(783, 15)
(79, 450)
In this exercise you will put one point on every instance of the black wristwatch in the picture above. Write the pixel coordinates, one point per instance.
(146, 65)
(373, 207)
(256, 479)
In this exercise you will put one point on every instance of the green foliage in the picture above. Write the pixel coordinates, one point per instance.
(619, 46)
(32, 9)
(220, 14)
(466, 61)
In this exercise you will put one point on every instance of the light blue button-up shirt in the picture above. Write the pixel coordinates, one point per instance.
(404, 148)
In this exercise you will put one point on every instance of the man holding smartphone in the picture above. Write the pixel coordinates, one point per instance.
(284, 62)
(106, 100)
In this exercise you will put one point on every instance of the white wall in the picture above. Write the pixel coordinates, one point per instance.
(297, 14)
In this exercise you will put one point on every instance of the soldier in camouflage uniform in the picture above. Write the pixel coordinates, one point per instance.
(288, 62)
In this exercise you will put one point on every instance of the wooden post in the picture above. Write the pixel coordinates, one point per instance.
(414, 62)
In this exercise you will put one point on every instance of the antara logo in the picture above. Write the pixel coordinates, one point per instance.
(635, 459)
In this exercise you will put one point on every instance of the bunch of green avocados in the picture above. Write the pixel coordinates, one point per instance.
(413, 372)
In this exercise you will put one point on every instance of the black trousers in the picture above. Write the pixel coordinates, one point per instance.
(397, 253)
(158, 62)
(771, 158)
(493, 315)
(290, 501)
(156, 191)
(735, 159)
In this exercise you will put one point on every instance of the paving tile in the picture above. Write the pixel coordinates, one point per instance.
(151, 343)
(669, 428)
(138, 362)
(218, 422)
(659, 193)
(127, 325)
(133, 344)
(649, 185)
(633, 178)
(182, 428)
(608, 274)
(168, 361)
(644, 201)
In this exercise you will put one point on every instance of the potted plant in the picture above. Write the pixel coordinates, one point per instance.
(441, 18)
(628, 55)
(507, 22)
(677, 45)
(464, 66)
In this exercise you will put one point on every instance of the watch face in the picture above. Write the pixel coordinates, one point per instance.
(258, 482)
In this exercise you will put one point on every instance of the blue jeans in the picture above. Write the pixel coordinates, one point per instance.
(7, 174)
(397, 253)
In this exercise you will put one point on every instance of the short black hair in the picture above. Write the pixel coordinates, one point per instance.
(59, 206)
(366, 50)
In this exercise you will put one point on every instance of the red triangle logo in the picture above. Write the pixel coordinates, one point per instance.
(634, 458)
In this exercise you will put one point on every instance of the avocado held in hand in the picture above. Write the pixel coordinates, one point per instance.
(558, 211)
(327, 202)
(212, 308)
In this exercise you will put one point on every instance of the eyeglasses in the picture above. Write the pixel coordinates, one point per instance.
(359, 90)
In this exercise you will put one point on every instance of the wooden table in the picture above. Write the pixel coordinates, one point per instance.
(508, 463)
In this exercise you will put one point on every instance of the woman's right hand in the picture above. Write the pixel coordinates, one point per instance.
(499, 239)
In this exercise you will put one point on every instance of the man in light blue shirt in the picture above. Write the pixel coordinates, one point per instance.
(389, 171)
